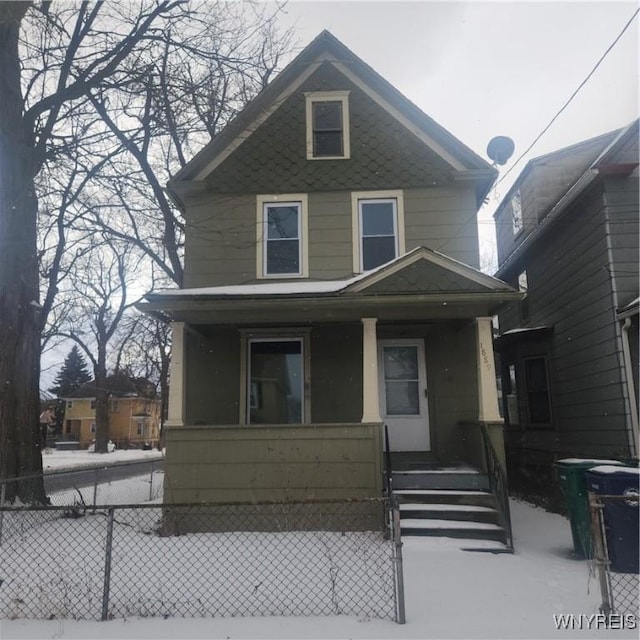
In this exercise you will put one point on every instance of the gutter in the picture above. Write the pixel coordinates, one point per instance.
(633, 407)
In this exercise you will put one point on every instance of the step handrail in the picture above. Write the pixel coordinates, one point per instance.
(498, 484)
(388, 475)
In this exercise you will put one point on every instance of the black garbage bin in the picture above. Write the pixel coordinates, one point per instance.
(621, 522)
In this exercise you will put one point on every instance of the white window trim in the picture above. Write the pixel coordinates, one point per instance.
(356, 197)
(261, 236)
(273, 335)
(328, 96)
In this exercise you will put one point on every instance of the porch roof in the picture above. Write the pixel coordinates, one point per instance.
(420, 284)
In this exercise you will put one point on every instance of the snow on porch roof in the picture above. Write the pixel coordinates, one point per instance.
(306, 287)
(294, 287)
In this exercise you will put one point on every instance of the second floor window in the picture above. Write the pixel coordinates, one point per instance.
(282, 236)
(378, 221)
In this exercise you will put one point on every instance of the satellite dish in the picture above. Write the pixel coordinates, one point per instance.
(500, 149)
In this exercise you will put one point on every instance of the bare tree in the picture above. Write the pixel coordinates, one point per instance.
(70, 75)
(100, 289)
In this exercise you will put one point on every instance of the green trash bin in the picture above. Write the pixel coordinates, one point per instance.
(573, 484)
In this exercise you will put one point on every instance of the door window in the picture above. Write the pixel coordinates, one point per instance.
(401, 380)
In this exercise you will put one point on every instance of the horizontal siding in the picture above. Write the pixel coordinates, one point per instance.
(570, 291)
(624, 230)
(221, 232)
(285, 462)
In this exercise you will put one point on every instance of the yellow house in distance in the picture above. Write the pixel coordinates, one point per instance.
(134, 414)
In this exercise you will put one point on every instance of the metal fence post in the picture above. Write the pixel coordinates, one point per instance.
(397, 558)
(3, 492)
(95, 490)
(107, 565)
(151, 483)
(599, 556)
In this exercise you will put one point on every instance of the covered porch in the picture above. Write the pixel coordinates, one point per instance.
(280, 391)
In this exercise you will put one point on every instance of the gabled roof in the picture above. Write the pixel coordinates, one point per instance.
(420, 285)
(613, 143)
(326, 48)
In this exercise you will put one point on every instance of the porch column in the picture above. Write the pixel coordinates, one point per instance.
(370, 400)
(175, 412)
(487, 389)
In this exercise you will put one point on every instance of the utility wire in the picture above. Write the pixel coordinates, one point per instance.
(573, 95)
(564, 106)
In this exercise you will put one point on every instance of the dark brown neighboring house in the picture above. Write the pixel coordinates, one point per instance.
(332, 284)
(568, 237)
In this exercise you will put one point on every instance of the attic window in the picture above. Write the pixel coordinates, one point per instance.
(327, 116)
(516, 213)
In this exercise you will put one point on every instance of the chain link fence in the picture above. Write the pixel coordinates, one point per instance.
(83, 488)
(118, 483)
(289, 559)
(615, 551)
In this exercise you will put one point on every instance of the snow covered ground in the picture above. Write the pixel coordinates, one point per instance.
(449, 594)
(54, 460)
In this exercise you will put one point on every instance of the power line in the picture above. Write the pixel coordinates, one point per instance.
(564, 106)
(571, 97)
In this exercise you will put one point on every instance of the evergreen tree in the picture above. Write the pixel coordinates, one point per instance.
(74, 372)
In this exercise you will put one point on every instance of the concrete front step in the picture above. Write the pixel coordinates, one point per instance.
(446, 497)
(452, 529)
(456, 512)
(463, 478)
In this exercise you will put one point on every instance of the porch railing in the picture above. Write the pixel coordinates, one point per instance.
(498, 483)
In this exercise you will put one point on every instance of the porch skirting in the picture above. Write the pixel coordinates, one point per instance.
(256, 463)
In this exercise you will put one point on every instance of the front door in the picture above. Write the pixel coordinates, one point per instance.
(403, 394)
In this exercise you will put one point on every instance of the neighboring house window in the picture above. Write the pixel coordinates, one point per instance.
(378, 228)
(327, 116)
(92, 428)
(69, 404)
(282, 236)
(140, 428)
(523, 286)
(510, 392)
(537, 387)
(516, 213)
(115, 406)
(93, 404)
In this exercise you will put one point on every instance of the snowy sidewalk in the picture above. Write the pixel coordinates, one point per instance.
(450, 594)
(53, 460)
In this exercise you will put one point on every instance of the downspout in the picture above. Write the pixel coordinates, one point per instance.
(628, 365)
(627, 400)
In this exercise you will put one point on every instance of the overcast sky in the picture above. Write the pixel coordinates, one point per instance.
(482, 69)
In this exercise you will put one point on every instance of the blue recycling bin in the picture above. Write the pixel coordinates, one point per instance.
(621, 521)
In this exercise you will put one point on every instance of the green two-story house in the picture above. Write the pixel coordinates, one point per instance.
(331, 287)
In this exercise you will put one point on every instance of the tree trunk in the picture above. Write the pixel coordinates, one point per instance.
(102, 402)
(20, 452)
